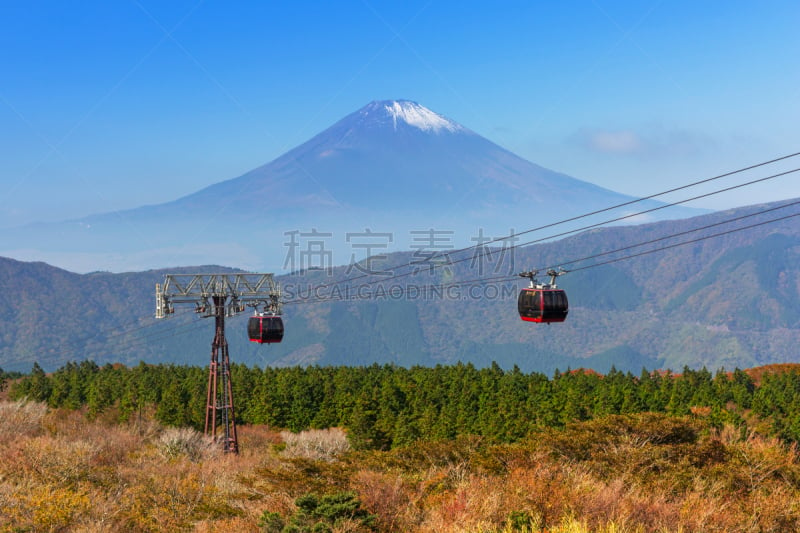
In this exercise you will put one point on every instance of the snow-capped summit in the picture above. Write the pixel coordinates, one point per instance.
(399, 113)
(419, 116)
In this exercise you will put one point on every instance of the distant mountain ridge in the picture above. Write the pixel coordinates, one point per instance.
(727, 301)
(392, 166)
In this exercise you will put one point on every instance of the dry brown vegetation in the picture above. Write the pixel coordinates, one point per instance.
(757, 373)
(61, 472)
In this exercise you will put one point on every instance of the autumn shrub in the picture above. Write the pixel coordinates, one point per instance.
(255, 438)
(646, 446)
(67, 423)
(543, 489)
(20, 418)
(471, 506)
(316, 444)
(765, 475)
(625, 502)
(170, 495)
(572, 524)
(684, 478)
(115, 444)
(54, 460)
(176, 442)
(238, 524)
(389, 497)
(466, 454)
(295, 476)
(585, 440)
(759, 460)
(43, 507)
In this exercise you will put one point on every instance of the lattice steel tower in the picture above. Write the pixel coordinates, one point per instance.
(220, 296)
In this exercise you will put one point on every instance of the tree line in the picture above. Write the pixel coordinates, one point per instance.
(386, 406)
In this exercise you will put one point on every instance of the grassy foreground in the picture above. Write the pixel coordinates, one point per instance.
(60, 471)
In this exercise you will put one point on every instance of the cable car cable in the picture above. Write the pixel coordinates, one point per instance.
(705, 237)
(433, 266)
(631, 256)
(672, 236)
(617, 206)
(76, 343)
(161, 335)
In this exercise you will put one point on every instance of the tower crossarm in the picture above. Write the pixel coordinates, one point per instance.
(203, 290)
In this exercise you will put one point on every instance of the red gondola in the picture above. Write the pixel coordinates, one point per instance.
(543, 303)
(265, 329)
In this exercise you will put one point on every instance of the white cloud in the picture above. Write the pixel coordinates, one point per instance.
(648, 141)
(619, 142)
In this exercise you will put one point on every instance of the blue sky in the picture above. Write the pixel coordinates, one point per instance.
(114, 104)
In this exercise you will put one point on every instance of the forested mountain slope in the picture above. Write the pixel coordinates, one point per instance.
(729, 300)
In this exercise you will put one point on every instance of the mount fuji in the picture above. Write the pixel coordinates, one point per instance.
(391, 175)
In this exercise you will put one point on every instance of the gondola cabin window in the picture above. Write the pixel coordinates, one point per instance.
(542, 305)
(265, 329)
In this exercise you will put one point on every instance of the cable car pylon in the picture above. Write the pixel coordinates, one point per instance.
(220, 296)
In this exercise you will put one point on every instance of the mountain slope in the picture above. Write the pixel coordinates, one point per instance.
(731, 300)
(404, 157)
(392, 167)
